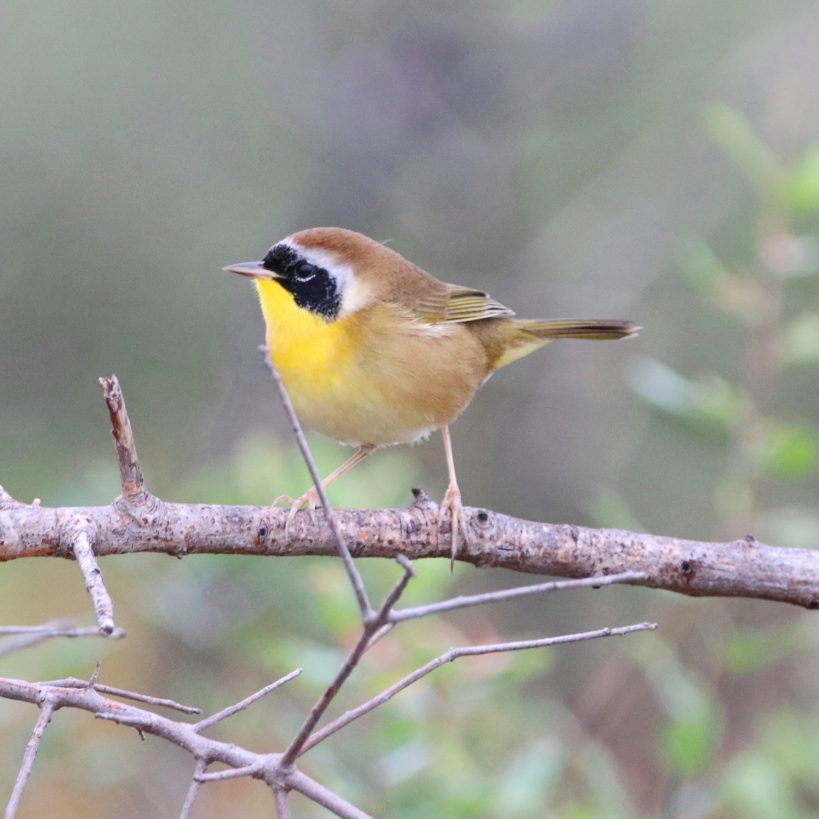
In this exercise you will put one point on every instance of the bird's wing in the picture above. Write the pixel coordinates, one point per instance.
(454, 304)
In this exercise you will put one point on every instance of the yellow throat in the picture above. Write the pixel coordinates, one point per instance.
(311, 354)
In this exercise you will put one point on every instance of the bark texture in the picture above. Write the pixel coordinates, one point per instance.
(739, 568)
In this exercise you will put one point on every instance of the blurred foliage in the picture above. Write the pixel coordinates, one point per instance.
(656, 161)
(765, 443)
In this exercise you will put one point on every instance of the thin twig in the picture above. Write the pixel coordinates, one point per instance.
(193, 790)
(371, 627)
(161, 702)
(294, 749)
(231, 773)
(130, 474)
(391, 599)
(464, 601)
(454, 654)
(282, 803)
(82, 536)
(302, 783)
(380, 634)
(386, 609)
(247, 701)
(32, 746)
(28, 636)
(55, 629)
(136, 696)
(349, 564)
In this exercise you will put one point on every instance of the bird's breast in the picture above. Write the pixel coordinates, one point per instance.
(372, 377)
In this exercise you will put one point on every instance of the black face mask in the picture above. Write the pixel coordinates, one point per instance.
(311, 286)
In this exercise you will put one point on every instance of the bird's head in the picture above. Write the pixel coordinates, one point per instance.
(329, 271)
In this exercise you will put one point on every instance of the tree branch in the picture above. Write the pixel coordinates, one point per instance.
(140, 522)
(464, 651)
(136, 696)
(371, 626)
(245, 703)
(27, 636)
(32, 746)
(739, 568)
(282, 803)
(468, 600)
(130, 474)
(193, 789)
(82, 536)
(138, 519)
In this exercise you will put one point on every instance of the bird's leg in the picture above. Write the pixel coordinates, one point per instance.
(452, 500)
(310, 498)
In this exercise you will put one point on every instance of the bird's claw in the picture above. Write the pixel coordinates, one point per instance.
(309, 500)
(452, 504)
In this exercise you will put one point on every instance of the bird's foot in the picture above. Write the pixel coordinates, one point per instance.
(284, 500)
(309, 500)
(451, 505)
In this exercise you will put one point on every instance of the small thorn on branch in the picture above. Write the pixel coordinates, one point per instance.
(5, 498)
(95, 675)
(130, 474)
(82, 536)
(420, 500)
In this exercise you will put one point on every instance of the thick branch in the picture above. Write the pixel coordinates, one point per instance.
(740, 568)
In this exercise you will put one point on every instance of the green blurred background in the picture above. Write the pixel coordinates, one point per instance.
(657, 161)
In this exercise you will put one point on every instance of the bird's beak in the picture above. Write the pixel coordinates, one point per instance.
(255, 270)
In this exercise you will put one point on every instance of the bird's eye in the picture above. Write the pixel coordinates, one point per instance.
(305, 271)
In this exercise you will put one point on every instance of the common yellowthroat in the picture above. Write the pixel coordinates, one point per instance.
(375, 351)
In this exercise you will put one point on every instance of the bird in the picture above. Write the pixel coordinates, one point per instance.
(375, 351)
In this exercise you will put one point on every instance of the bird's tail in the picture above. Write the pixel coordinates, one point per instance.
(524, 336)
